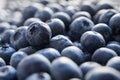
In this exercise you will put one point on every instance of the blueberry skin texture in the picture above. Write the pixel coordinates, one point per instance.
(18, 39)
(103, 55)
(30, 21)
(28, 50)
(38, 34)
(39, 76)
(78, 27)
(114, 63)
(115, 47)
(74, 54)
(2, 62)
(34, 63)
(64, 68)
(81, 14)
(103, 73)
(114, 23)
(5, 52)
(49, 53)
(57, 26)
(104, 30)
(91, 41)
(105, 18)
(16, 58)
(6, 35)
(60, 42)
(64, 17)
(8, 73)
(44, 14)
(88, 8)
(88, 66)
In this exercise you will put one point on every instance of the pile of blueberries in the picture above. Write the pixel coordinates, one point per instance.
(60, 40)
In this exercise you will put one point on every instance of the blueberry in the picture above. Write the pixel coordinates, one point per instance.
(115, 47)
(60, 42)
(6, 35)
(4, 26)
(105, 17)
(7, 73)
(28, 50)
(16, 58)
(103, 5)
(39, 76)
(30, 21)
(91, 41)
(18, 39)
(78, 27)
(49, 53)
(81, 14)
(64, 68)
(64, 17)
(103, 73)
(38, 34)
(102, 55)
(2, 62)
(32, 64)
(97, 15)
(88, 8)
(30, 10)
(88, 66)
(74, 54)
(5, 52)
(57, 26)
(104, 30)
(114, 23)
(44, 14)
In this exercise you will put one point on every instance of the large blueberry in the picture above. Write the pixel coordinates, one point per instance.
(114, 63)
(32, 64)
(57, 26)
(38, 34)
(18, 39)
(49, 53)
(103, 73)
(74, 54)
(60, 42)
(88, 66)
(91, 41)
(103, 29)
(7, 73)
(102, 55)
(16, 58)
(78, 27)
(64, 68)
(39, 76)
